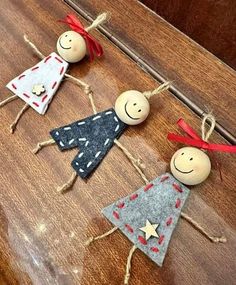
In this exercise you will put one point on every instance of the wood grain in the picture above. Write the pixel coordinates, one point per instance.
(42, 233)
(200, 76)
(212, 24)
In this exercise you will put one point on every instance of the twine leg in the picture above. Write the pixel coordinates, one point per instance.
(197, 226)
(18, 117)
(68, 184)
(8, 100)
(92, 239)
(128, 265)
(41, 145)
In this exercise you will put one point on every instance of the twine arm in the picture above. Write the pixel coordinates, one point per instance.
(200, 228)
(87, 89)
(33, 47)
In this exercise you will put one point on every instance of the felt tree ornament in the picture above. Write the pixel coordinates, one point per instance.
(149, 216)
(95, 135)
(37, 86)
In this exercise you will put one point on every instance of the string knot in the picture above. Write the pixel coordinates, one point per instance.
(89, 241)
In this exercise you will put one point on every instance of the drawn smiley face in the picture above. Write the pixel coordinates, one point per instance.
(190, 165)
(132, 107)
(71, 46)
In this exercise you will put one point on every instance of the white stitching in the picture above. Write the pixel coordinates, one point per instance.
(90, 162)
(106, 142)
(81, 123)
(109, 112)
(97, 117)
(71, 141)
(97, 154)
(80, 155)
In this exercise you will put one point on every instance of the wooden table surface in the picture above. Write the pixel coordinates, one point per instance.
(42, 233)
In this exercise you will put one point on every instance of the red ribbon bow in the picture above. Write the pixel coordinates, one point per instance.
(93, 46)
(196, 141)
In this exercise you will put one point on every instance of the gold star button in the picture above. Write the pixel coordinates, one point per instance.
(38, 89)
(150, 230)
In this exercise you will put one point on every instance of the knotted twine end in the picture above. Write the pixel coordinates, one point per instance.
(102, 18)
(161, 88)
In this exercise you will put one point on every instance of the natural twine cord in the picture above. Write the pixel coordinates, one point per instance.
(161, 88)
(98, 21)
(33, 46)
(206, 134)
(128, 265)
(87, 89)
(8, 100)
(19, 115)
(65, 187)
(42, 145)
(214, 239)
(92, 239)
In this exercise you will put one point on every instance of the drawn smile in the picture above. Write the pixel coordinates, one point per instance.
(62, 45)
(184, 172)
(128, 113)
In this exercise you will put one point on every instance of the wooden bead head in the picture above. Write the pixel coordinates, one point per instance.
(71, 46)
(132, 107)
(190, 165)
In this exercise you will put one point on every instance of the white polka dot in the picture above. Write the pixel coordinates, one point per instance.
(81, 123)
(61, 143)
(117, 128)
(81, 170)
(87, 142)
(71, 141)
(67, 128)
(82, 139)
(108, 113)
(115, 118)
(57, 133)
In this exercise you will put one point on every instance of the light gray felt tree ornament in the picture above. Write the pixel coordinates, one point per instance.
(149, 216)
(95, 135)
(37, 85)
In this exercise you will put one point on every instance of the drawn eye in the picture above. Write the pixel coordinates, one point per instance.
(182, 153)
(70, 40)
(66, 35)
(139, 110)
(135, 104)
(191, 158)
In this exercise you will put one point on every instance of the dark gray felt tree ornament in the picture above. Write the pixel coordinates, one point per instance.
(148, 216)
(37, 85)
(94, 136)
